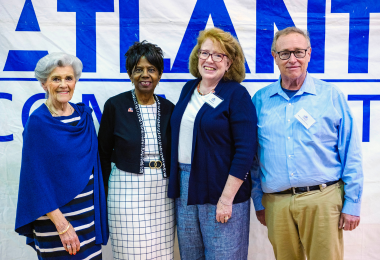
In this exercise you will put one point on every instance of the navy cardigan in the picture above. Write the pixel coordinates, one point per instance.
(224, 143)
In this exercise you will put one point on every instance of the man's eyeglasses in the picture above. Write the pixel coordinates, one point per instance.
(285, 55)
(217, 57)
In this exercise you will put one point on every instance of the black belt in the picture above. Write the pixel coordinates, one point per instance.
(296, 190)
(153, 164)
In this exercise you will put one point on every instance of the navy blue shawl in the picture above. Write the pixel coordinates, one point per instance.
(57, 162)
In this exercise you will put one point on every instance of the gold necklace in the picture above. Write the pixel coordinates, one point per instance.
(55, 114)
(200, 93)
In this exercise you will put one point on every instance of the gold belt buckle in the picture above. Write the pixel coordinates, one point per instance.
(156, 164)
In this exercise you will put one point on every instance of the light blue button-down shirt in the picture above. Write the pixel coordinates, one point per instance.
(289, 155)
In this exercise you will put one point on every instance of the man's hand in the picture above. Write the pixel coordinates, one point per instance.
(348, 222)
(260, 214)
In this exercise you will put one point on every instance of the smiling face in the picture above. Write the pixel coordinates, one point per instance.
(210, 70)
(60, 84)
(293, 68)
(145, 76)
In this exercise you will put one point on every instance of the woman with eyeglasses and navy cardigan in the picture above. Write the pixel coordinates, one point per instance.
(213, 146)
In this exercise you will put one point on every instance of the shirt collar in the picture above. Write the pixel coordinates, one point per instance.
(307, 86)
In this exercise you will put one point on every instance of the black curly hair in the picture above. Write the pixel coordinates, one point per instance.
(150, 51)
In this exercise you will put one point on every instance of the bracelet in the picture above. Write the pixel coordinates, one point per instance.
(64, 231)
(225, 204)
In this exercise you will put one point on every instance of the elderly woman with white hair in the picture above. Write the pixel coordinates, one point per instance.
(61, 205)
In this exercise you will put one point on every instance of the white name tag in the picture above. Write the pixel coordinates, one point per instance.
(305, 118)
(213, 100)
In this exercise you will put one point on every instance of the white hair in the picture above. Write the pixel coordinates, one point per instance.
(287, 31)
(57, 59)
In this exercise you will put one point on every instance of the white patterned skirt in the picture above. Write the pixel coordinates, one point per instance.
(140, 215)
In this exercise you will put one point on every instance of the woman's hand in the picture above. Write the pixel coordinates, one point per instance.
(224, 206)
(68, 235)
(223, 211)
(70, 240)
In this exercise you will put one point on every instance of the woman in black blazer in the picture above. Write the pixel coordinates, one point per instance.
(135, 135)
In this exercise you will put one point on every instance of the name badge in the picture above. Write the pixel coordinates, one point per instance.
(213, 100)
(305, 118)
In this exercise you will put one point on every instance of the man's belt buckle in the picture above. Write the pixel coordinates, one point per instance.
(155, 164)
(294, 190)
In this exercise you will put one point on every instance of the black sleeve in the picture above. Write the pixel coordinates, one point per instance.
(106, 139)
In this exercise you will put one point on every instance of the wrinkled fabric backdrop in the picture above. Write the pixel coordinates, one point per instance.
(345, 36)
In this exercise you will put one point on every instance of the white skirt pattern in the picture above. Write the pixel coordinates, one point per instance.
(140, 216)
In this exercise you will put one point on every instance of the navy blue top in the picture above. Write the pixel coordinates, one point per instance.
(57, 161)
(224, 143)
(289, 92)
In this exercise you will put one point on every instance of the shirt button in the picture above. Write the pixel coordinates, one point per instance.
(291, 174)
(288, 137)
(288, 120)
(290, 104)
(290, 156)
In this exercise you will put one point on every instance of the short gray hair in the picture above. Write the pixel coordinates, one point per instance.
(287, 31)
(57, 59)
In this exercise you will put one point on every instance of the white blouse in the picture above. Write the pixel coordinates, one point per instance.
(185, 144)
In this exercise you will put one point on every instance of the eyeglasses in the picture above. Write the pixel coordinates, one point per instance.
(285, 55)
(217, 57)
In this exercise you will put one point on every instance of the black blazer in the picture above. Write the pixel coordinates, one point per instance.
(120, 134)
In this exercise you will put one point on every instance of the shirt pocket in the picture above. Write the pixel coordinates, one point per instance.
(324, 130)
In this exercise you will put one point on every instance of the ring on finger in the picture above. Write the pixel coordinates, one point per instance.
(226, 218)
(68, 246)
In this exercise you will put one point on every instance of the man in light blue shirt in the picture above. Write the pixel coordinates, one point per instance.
(308, 177)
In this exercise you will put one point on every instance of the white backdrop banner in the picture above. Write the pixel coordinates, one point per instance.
(344, 38)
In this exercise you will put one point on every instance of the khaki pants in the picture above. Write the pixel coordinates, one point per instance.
(305, 224)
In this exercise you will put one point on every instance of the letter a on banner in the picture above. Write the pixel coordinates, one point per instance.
(28, 19)
(25, 60)
(203, 9)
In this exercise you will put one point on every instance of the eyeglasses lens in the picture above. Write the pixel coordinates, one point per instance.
(285, 55)
(217, 57)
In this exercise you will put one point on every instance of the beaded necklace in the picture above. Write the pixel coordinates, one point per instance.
(200, 93)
